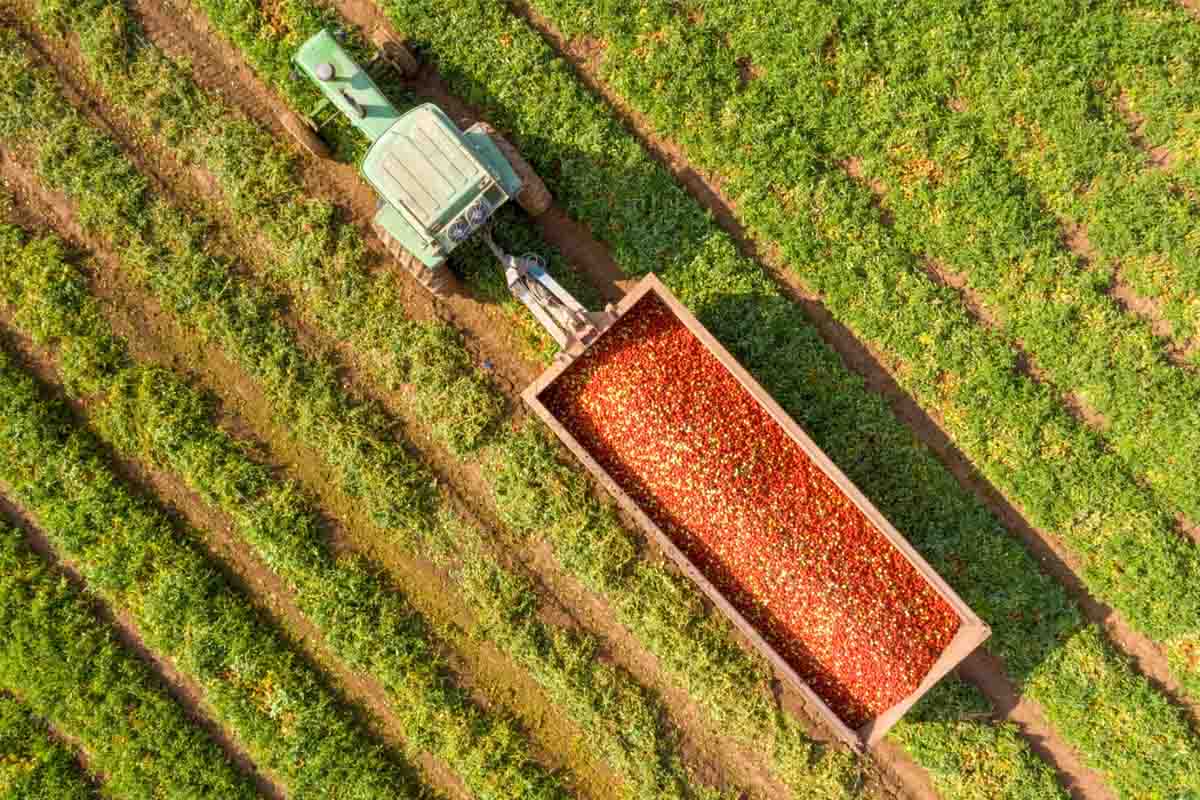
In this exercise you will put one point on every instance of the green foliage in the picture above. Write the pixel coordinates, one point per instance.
(33, 765)
(150, 413)
(969, 760)
(132, 556)
(662, 610)
(68, 668)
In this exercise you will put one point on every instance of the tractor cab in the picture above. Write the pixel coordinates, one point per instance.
(436, 185)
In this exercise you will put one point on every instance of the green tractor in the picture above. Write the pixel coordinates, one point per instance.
(436, 185)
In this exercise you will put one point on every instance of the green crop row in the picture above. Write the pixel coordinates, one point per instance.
(790, 190)
(968, 760)
(1059, 87)
(610, 183)
(661, 609)
(953, 195)
(151, 414)
(258, 687)
(67, 667)
(33, 765)
(621, 719)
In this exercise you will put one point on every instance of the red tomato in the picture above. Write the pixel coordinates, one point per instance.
(771, 531)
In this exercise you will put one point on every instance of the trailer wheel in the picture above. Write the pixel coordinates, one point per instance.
(304, 135)
(395, 52)
(440, 281)
(534, 197)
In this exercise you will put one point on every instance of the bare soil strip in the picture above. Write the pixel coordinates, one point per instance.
(184, 691)
(707, 753)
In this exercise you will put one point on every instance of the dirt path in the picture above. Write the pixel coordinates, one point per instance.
(182, 690)
(709, 754)
(83, 762)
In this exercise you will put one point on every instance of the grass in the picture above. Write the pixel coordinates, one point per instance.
(68, 669)
(36, 766)
(732, 308)
(968, 760)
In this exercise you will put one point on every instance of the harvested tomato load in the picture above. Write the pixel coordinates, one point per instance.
(753, 512)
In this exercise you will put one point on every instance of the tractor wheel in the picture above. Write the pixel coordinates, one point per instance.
(395, 52)
(440, 282)
(304, 135)
(534, 197)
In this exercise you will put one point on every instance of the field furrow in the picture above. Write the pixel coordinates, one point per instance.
(34, 764)
(61, 658)
(164, 422)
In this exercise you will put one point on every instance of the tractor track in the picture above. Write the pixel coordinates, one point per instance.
(185, 34)
(705, 756)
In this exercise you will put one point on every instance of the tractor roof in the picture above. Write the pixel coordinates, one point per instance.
(424, 168)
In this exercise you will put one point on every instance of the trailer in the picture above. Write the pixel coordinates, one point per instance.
(724, 519)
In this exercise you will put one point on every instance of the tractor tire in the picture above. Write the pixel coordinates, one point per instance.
(304, 135)
(440, 282)
(534, 197)
(395, 52)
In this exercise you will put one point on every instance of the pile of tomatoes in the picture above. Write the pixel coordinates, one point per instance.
(753, 512)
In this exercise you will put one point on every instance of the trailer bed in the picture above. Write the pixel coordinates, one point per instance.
(745, 504)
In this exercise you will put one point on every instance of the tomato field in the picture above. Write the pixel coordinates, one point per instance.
(274, 521)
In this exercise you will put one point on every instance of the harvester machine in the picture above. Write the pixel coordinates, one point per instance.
(436, 186)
